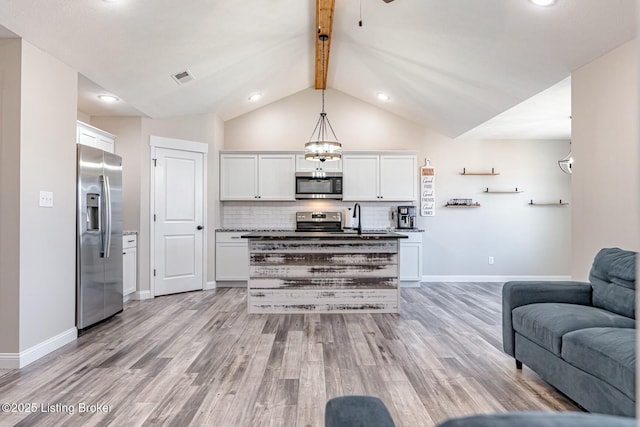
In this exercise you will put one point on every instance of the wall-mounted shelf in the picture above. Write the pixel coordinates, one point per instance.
(475, 205)
(503, 191)
(558, 203)
(492, 173)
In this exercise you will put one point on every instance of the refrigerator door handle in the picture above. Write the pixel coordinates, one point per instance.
(107, 205)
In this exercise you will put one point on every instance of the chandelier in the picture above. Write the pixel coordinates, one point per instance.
(323, 146)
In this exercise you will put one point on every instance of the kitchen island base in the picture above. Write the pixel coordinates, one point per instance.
(309, 273)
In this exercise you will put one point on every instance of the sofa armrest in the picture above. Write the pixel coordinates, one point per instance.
(516, 294)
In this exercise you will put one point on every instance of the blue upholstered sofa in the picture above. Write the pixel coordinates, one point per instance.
(540, 419)
(579, 337)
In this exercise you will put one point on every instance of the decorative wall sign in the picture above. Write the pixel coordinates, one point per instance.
(427, 189)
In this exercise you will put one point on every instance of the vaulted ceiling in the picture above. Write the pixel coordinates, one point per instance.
(448, 64)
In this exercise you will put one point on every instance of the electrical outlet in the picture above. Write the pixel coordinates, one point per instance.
(46, 199)
(490, 260)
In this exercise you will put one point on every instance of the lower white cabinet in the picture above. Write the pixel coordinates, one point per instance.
(129, 263)
(232, 258)
(411, 259)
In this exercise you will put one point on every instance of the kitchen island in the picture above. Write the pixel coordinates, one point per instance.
(324, 272)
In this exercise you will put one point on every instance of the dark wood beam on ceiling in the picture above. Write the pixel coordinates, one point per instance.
(324, 24)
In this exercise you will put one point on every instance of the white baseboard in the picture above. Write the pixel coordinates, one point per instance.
(409, 283)
(210, 285)
(232, 284)
(140, 295)
(9, 361)
(30, 355)
(491, 278)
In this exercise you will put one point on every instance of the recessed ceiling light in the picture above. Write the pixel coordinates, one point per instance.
(383, 96)
(543, 2)
(108, 98)
(255, 96)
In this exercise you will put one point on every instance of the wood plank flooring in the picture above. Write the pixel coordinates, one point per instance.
(199, 359)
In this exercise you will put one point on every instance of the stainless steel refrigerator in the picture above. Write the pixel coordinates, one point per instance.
(99, 239)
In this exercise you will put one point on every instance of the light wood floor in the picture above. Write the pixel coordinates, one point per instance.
(199, 359)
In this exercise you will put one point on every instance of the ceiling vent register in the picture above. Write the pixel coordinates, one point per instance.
(183, 77)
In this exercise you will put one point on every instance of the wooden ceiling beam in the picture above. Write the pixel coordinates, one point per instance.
(324, 25)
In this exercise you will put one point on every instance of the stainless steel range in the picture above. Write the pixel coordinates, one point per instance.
(318, 221)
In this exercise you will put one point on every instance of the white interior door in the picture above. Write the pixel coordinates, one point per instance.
(179, 221)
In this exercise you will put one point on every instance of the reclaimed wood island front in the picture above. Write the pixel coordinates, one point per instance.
(324, 272)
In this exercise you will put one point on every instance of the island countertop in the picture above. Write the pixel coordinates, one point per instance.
(332, 235)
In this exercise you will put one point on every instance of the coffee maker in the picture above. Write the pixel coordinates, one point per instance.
(406, 216)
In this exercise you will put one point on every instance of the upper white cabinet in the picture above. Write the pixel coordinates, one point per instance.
(380, 177)
(398, 177)
(257, 176)
(361, 177)
(94, 137)
(303, 165)
(238, 176)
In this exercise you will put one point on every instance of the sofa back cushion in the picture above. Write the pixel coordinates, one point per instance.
(613, 279)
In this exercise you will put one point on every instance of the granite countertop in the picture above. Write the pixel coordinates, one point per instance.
(368, 230)
(291, 235)
(250, 230)
(128, 232)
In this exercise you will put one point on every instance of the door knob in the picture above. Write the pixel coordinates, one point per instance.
(199, 227)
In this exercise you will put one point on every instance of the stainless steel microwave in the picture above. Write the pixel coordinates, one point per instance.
(319, 185)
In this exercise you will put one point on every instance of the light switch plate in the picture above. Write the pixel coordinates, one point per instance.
(46, 199)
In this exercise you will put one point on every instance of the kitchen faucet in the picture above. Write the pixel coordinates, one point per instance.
(359, 211)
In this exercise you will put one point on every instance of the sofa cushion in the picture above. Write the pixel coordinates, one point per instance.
(540, 419)
(613, 279)
(606, 353)
(357, 411)
(546, 323)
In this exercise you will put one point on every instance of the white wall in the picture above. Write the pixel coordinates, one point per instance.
(203, 128)
(132, 143)
(128, 131)
(287, 125)
(605, 186)
(84, 117)
(37, 245)
(47, 162)
(524, 241)
(10, 64)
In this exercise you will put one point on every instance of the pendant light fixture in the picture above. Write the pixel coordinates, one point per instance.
(322, 146)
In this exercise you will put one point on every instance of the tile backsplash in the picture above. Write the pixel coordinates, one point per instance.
(282, 215)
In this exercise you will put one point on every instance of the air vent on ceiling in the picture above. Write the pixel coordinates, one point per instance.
(182, 77)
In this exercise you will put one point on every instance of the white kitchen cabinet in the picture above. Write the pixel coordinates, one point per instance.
(411, 259)
(380, 177)
(238, 176)
(232, 257)
(303, 165)
(398, 177)
(276, 177)
(360, 177)
(94, 137)
(257, 176)
(129, 263)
